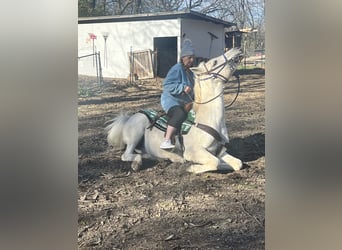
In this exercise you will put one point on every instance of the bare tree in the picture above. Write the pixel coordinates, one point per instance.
(247, 14)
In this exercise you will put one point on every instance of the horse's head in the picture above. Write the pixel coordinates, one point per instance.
(210, 76)
(221, 67)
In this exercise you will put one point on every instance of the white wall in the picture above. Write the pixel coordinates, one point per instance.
(197, 31)
(122, 37)
(138, 35)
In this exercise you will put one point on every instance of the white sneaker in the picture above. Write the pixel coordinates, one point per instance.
(167, 145)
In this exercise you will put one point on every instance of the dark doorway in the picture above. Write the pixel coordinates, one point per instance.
(166, 48)
(233, 39)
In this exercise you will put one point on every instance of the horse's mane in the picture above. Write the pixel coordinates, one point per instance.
(197, 94)
(197, 90)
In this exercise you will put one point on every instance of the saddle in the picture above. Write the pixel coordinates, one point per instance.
(159, 119)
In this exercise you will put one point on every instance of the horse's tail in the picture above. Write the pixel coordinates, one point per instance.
(114, 131)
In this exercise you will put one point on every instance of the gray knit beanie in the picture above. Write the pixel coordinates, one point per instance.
(187, 49)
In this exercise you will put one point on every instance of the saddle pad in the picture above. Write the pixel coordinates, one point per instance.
(161, 122)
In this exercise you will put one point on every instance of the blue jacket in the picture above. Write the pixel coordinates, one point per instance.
(173, 87)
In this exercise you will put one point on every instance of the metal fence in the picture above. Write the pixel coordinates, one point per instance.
(93, 60)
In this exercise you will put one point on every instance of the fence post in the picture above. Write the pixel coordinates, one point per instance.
(131, 66)
(100, 69)
(97, 67)
(97, 59)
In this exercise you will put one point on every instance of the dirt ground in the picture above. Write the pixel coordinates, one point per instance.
(163, 206)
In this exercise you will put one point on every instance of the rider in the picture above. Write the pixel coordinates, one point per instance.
(177, 92)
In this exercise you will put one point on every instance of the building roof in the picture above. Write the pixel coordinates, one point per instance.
(155, 16)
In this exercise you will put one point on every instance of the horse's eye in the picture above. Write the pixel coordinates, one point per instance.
(214, 63)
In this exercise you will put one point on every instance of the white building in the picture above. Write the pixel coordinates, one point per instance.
(119, 37)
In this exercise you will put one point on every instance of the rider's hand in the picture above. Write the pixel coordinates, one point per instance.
(187, 89)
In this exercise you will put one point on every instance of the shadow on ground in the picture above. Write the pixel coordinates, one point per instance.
(249, 148)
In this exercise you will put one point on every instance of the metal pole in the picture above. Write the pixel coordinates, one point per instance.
(133, 76)
(156, 63)
(85, 56)
(211, 43)
(244, 51)
(105, 36)
(131, 66)
(100, 69)
(97, 68)
(93, 52)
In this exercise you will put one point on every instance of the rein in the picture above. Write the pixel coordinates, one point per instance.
(237, 92)
(230, 104)
(217, 74)
(212, 99)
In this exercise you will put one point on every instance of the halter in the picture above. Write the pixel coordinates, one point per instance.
(218, 75)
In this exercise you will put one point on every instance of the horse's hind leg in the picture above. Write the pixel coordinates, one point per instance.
(129, 155)
(132, 134)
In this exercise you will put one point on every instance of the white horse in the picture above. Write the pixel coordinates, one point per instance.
(204, 143)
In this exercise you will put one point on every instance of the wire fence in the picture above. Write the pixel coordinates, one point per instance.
(92, 61)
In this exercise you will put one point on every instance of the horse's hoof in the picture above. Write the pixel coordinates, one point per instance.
(136, 166)
(190, 170)
(199, 169)
(238, 165)
(194, 170)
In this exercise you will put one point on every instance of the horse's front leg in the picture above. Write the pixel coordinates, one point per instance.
(229, 162)
(173, 157)
(207, 161)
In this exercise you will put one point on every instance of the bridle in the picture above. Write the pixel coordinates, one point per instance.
(215, 73)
